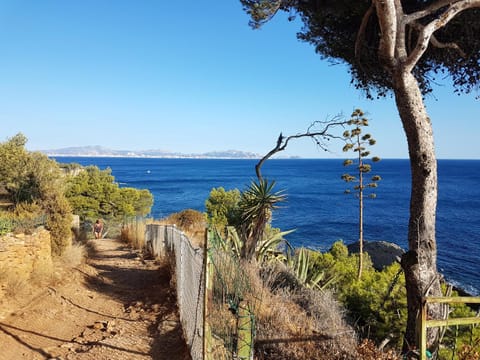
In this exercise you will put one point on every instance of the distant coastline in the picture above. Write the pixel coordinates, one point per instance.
(99, 151)
(102, 152)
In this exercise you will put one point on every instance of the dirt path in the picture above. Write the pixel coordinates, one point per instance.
(115, 307)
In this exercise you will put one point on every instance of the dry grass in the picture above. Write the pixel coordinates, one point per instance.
(297, 324)
(42, 274)
(290, 324)
(134, 233)
(12, 285)
(74, 255)
(192, 222)
(15, 286)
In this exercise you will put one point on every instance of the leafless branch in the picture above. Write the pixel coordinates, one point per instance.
(318, 136)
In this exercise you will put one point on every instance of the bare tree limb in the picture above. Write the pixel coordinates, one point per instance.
(318, 136)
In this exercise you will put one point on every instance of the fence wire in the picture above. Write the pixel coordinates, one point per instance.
(166, 240)
(214, 294)
(230, 317)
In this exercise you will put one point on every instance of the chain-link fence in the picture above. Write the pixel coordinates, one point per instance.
(166, 240)
(213, 293)
(230, 320)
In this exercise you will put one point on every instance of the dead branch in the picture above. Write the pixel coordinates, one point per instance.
(318, 136)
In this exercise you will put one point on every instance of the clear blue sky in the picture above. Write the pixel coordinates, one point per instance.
(186, 76)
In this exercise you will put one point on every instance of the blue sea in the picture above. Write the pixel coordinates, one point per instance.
(316, 205)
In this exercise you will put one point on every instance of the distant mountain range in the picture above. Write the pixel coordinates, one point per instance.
(100, 151)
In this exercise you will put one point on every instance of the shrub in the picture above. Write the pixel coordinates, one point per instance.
(28, 216)
(74, 255)
(188, 219)
(192, 222)
(377, 302)
(6, 224)
(133, 232)
(223, 208)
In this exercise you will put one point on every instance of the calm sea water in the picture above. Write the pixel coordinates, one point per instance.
(317, 207)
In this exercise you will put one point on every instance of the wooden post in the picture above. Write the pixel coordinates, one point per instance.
(423, 330)
(207, 333)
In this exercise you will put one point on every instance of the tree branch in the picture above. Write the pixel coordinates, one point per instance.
(318, 136)
(387, 19)
(361, 31)
(429, 10)
(451, 45)
(426, 33)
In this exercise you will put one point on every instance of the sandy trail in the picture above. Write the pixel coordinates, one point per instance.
(116, 307)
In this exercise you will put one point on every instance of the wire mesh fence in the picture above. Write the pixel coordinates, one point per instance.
(167, 240)
(213, 294)
(230, 319)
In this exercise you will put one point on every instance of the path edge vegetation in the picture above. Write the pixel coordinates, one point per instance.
(398, 48)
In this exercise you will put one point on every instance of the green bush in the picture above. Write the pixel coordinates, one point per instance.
(377, 302)
(93, 194)
(34, 184)
(462, 342)
(223, 208)
(6, 225)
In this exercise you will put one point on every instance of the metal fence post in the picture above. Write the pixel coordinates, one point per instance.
(244, 332)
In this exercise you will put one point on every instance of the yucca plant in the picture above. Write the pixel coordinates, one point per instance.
(256, 205)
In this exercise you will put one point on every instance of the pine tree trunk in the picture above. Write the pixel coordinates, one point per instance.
(420, 262)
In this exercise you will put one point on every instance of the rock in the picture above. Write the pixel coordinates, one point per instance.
(382, 253)
(99, 325)
(167, 326)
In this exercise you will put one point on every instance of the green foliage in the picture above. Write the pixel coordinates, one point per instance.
(94, 193)
(273, 247)
(340, 264)
(35, 185)
(333, 28)
(377, 302)
(259, 200)
(6, 224)
(309, 275)
(462, 342)
(223, 208)
(256, 205)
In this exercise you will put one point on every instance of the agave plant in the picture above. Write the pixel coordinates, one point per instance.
(267, 249)
(308, 276)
